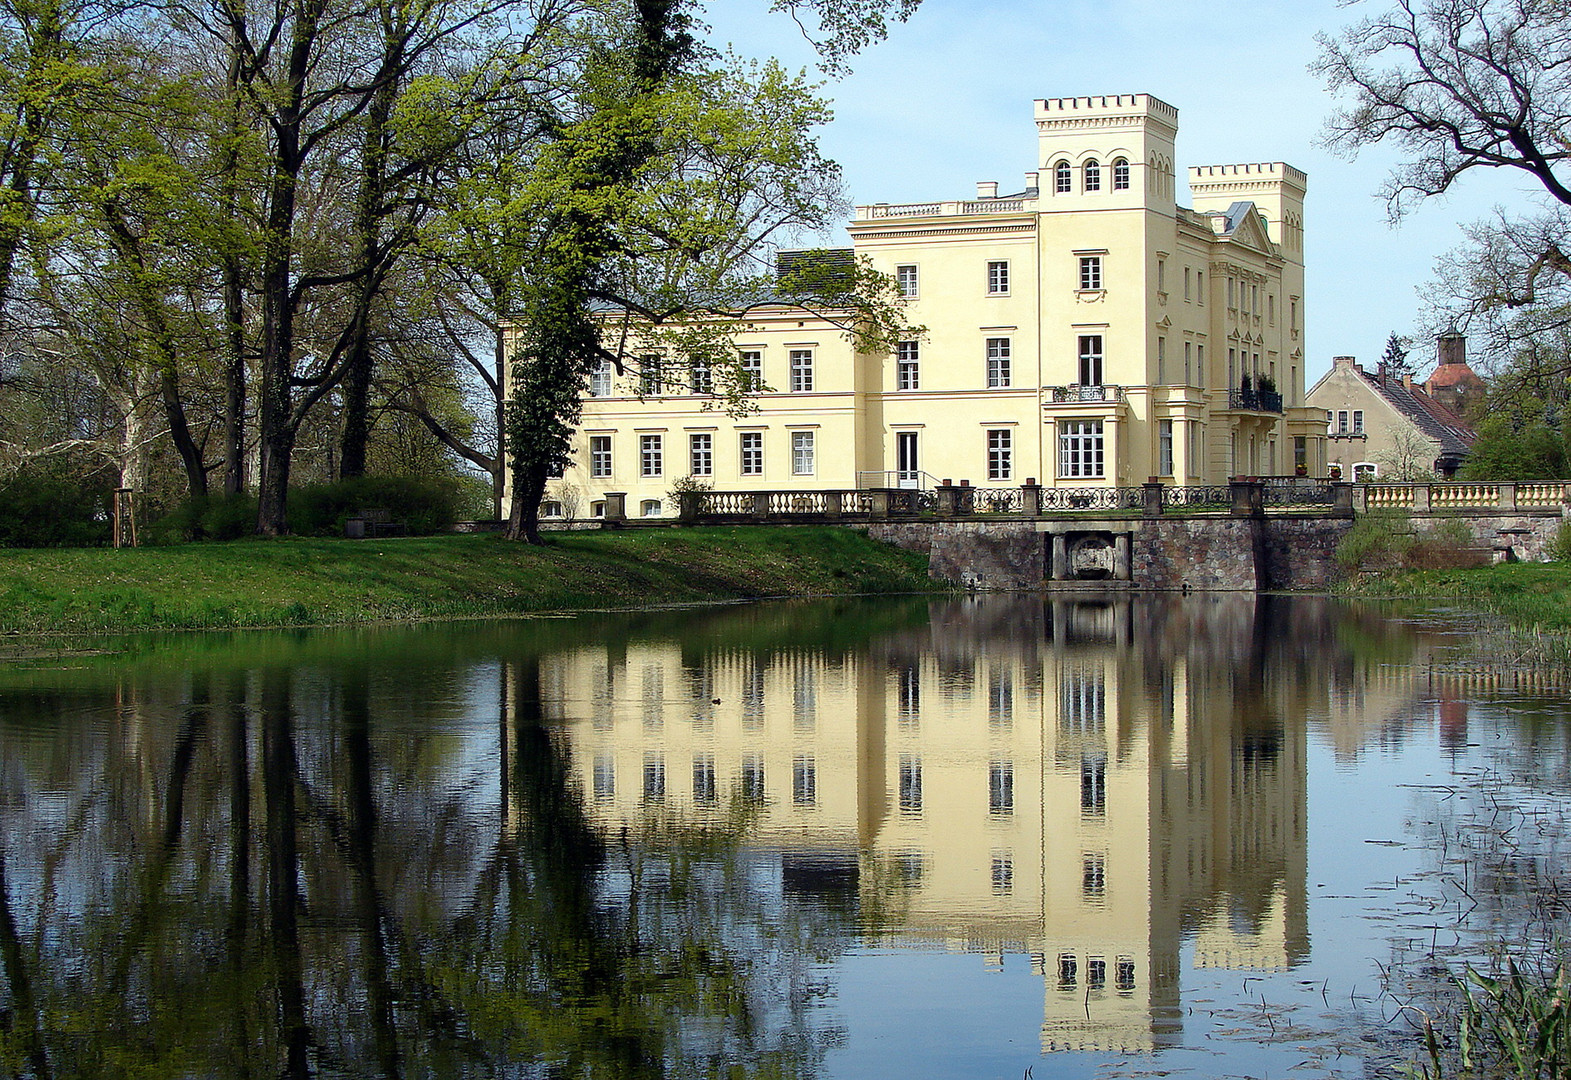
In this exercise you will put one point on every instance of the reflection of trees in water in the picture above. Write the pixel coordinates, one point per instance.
(267, 878)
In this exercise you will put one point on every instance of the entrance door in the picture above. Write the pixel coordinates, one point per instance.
(909, 473)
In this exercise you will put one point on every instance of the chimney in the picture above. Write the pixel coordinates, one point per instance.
(1344, 362)
(1033, 180)
(987, 189)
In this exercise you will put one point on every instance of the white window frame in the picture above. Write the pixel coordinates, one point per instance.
(651, 375)
(803, 453)
(701, 454)
(1120, 174)
(906, 280)
(1341, 422)
(1063, 179)
(600, 456)
(1000, 454)
(1000, 363)
(1092, 175)
(1091, 356)
(751, 453)
(801, 371)
(1081, 447)
(1164, 448)
(701, 378)
(600, 379)
(1090, 273)
(1358, 421)
(751, 363)
(651, 455)
(908, 373)
(649, 508)
(998, 277)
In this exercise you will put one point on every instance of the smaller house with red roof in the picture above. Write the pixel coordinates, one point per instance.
(1386, 425)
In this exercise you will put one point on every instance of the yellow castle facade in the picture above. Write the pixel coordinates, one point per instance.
(1087, 331)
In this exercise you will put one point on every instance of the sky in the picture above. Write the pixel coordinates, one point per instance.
(946, 101)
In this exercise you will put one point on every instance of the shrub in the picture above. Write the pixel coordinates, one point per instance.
(1560, 546)
(226, 517)
(42, 509)
(424, 506)
(1379, 540)
(1387, 540)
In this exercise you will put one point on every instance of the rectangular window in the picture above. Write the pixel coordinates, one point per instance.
(1232, 368)
(802, 453)
(1188, 381)
(699, 377)
(1090, 359)
(1232, 301)
(752, 364)
(907, 360)
(651, 455)
(701, 454)
(905, 279)
(1341, 421)
(1164, 447)
(910, 784)
(804, 781)
(1093, 879)
(1093, 784)
(600, 456)
(1200, 287)
(752, 453)
(651, 375)
(753, 780)
(1200, 366)
(1358, 421)
(1271, 308)
(1000, 454)
(1300, 455)
(600, 379)
(1003, 873)
(1090, 272)
(997, 277)
(1161, 275)
(1080, 448)
(605, 776)
(998, 373)
(1001, 788)
(1186, 283)
(704, 793)
(801, 371)
(654, 778)
(1161, 361)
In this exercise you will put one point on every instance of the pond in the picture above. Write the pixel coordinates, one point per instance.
(982, 837)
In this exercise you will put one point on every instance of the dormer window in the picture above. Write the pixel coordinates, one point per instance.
(1093, 175)
(1061, 178)
(1120, 175)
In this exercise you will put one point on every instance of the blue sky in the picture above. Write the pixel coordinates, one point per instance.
(947, 101)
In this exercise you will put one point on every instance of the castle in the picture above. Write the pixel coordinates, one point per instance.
(1084, 331)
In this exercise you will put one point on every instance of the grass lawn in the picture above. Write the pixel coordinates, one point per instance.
(304, 582)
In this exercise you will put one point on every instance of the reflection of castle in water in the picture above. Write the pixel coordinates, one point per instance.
(1063, 782)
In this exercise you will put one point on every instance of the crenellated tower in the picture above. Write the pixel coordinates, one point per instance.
(1113, 151)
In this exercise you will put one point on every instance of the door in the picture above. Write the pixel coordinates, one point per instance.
(909, 474)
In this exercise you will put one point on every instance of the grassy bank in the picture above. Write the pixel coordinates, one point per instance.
(259, 583)
(1529, 604)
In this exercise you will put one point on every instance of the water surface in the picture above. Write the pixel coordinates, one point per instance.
(841, 839)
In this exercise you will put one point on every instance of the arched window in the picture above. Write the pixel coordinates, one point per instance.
(1061, 181)
(1120, 175)
(1093, 175)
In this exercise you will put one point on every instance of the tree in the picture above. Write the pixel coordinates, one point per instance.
(1460, 86)
(1395, 356)
(1408, 455)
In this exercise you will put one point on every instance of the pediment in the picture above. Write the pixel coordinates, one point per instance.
(1249, 231)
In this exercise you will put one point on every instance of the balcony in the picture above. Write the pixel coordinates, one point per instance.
(1064, 395)
(1251, 400)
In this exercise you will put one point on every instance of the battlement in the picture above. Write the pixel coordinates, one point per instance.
(1105, 104)
(1206, 178)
